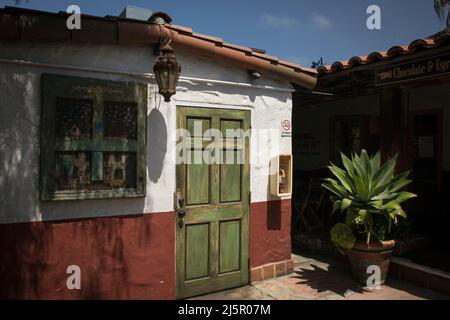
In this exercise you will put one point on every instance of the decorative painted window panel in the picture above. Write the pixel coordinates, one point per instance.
(73, 170)
(120, 120)
(92, 138)
(119, 169)
(73, 118)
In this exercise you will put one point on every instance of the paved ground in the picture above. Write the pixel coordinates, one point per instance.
(319, 280)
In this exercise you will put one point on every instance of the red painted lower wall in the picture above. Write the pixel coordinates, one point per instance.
(129, 257)
(270, 232)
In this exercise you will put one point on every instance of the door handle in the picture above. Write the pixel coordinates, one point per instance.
(181, 213)
(179, 209)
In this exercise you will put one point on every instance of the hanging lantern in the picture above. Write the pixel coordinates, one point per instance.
(167, 71)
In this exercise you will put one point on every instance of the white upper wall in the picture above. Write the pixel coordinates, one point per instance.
(20, 103)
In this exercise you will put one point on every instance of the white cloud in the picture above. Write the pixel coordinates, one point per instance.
(320, 21)
(277, 21)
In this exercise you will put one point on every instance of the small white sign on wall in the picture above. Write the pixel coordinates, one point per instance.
(286, 128)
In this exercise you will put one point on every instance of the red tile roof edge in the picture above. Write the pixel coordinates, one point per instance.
(393, 52)
(104, 30)
(189, 32)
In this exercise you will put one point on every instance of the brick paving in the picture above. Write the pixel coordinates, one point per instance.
(317, 279)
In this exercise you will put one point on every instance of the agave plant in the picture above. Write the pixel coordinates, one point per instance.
(366, 190)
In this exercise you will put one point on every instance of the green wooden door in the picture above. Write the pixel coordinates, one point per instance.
(212, 237)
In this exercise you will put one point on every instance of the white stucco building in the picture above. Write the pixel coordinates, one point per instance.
(131, 244)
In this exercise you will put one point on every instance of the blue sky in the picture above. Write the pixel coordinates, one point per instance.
(296, 30)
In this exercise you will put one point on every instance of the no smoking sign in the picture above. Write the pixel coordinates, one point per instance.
(286, 128)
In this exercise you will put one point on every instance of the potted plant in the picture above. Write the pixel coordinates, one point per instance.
(369, 197)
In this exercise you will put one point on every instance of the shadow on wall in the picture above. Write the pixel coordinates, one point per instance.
(19, 146)
(274, 210)
(113, 254)
(32, 250)
(79, 209)
(156, 144)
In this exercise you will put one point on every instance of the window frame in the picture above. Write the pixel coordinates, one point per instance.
(100, 92)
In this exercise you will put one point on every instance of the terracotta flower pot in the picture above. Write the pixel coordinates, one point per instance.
(361, 256)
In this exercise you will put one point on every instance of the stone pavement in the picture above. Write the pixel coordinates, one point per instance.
(318, 279)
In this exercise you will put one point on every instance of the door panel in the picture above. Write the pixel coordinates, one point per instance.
(229, 246)
(198, 175)
(212, 225)
(198, 250)
(230, 177)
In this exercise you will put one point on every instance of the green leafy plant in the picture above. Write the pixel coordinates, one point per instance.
(370, 196)
(342, 236)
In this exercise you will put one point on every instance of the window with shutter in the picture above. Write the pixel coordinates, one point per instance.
(93, 138)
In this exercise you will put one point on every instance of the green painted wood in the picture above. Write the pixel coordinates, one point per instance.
(227, 211)
(215, 170)
(198, 143)
(97, 166)
(197, 251)
(228, 128)
(196, 126)
(98, 145)
(230, 246)
(214, 254)
(198, 177)
(103, 194)
(230, 176)
(98, 91)
(227, 221)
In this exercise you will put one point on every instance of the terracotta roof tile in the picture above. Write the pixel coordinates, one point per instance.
(397, 51)
(355, 61)
(400, 50)
(207, 37)
(265, 56)
(237, 47)
(51, 26)
(247, 50)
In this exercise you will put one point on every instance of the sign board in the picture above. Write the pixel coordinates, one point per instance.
(419, 69)
(286, 128)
